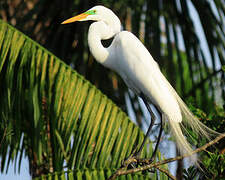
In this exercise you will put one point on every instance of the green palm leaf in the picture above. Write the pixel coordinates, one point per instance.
(95, 174)
(56, 117)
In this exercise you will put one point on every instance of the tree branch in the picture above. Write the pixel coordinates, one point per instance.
(124, 171)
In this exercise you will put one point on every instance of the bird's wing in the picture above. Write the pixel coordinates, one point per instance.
(141, 73)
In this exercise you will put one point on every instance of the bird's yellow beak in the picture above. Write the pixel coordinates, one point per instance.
(75, 18)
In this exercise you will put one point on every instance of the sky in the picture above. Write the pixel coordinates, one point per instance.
(12, 175)
(24, 174)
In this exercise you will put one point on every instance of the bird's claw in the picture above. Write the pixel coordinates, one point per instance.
(130, 160)
(134, 161)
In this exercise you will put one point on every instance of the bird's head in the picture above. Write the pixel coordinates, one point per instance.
(97, 13)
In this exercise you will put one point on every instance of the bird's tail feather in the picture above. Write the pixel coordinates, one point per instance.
(188, 120)
(181, 142)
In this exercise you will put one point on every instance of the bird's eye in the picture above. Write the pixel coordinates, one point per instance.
(94, 11)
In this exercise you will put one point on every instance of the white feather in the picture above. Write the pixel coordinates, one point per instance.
(129, 58)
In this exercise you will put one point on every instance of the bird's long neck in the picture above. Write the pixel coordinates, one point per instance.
(99, 31)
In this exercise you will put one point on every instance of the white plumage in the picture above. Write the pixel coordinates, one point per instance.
(131, 60)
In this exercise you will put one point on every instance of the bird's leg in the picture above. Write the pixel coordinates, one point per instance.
(152, 158)
(137, 153)
(157, 143)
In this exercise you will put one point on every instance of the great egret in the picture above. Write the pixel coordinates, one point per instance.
(131, 60)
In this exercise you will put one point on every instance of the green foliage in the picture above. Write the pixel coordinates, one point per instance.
(190, 173)
(31, 98)
(212, 167)
(215, 164)
(223, 68)
(96, 174)
(213, 160)
(213, 120)
(161, 25)
(56, 118)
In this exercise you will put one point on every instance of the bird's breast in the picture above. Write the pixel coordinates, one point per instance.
(141, 73)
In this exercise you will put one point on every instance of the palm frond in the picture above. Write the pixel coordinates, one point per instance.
(167, 28)
(55, 116)
(95, 174)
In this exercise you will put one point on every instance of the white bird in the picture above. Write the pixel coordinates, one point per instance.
(131, 60)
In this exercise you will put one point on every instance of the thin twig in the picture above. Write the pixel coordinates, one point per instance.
(124, 171)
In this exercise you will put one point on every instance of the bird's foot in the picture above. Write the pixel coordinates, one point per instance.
(134, 161)
(145, 162)
(131, 161)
